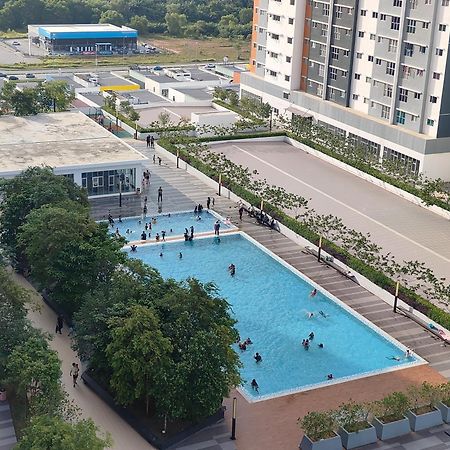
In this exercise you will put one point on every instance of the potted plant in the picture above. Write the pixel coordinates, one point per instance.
(390, 416)
(444, 404)
(319, 432)
(423, 413)
(354, 429)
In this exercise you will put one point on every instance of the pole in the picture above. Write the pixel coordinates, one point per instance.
(397, 287)
(262, 205)
(233, 420)
(320, 249)
(178, 158)
(120, 193)
(220, 184)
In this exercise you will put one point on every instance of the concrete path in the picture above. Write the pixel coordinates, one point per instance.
(400, 227)
(7, 433)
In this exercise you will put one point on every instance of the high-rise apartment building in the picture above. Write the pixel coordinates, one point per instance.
(377, 71)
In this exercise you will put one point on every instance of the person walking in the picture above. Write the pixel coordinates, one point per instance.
(74, 372)
(148, 140)
(241, 211)
(59, 324)
(160, 192)
(208, 202)
(152, 142)
(217, 228)
(154, 159)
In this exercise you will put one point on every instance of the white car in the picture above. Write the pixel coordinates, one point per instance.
(210, 66)
(16, 43)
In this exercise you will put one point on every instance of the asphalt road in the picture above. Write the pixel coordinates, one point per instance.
(407, 231)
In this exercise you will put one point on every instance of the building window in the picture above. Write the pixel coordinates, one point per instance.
(383, 17)
(425, 25)
(322, 50)
(276, 18)
(445, 2)
(392, 45)
(334, 53)
(291, 21)
(398, 3)
(321, 70)
(436, 75)
(407, 162)
(272, 73)
(286, 95)
(357, 76)
(430, 122)
(403, 95)
(411, 26)
(400, 117)
(333, 73)
(395, 23)
(370, 58)
(433, 99)
(355, 96)
(292, 2)
(288, 59)
(385, 112)
(338, 12)
(337, 33)
(417, 95)
(346, 52)
(361, 34)
(422, 49)
(374, 15)
(287, 78)
(442, 27)
(359, 55)
(409, 49)
(289, 40)
(364, 12)
(387, 90)
(439, 51)
(390, 68)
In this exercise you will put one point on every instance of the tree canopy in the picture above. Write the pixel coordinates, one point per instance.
(178, 17)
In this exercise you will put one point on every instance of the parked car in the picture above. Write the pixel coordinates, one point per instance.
(210, 66)
(30, 75)
(13, 78)
(2, 75)
(157, 68)
(16, 43)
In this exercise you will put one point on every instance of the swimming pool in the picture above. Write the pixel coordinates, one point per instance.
(271, 303)
(176, 222)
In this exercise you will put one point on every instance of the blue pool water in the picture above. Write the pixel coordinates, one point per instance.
(177, 222)
(271, 304)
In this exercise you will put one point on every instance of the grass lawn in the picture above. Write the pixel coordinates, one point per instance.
(11, 34)
(176, 50)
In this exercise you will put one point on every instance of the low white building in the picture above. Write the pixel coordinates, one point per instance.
(74, 146)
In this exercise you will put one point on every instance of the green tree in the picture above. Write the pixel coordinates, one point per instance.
(55, 96)
(50, 432)
(113, 17)
(35, 372)
(176, 23)
(31, 189)
(245, 15)
(68, 252)
(233, 98)
(140, 23)
(139, 356)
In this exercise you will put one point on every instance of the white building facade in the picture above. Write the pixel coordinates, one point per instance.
(376, 71)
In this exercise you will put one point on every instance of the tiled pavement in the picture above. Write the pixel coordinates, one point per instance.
(7, 432)
(437, 438)
(182, 191)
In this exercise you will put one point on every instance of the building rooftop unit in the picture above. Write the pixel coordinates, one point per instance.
(68, 139)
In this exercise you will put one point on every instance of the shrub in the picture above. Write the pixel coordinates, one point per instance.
(351, 416)
(391, 408)
(318, 425)
(424, 397)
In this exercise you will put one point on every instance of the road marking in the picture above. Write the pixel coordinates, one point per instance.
(343, 204)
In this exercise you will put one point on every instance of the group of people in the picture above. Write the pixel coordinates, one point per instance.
(208, 202)
(261, 217)
(150, 141)
(198, 209)
(189, 234)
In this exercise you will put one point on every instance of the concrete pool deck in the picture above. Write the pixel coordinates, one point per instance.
(272, 423)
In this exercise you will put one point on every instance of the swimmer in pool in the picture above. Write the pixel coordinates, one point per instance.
(323, 314)
(180, 255)
(310, 315)
(313, 293)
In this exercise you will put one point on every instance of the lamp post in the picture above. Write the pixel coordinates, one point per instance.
(320, 249)
(220, 184)
(233, 420)
(178, 158)
(397, 288)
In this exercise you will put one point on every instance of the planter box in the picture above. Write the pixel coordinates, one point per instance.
(391, 430)
(358, 438)
(445, 411)
(424, 421)
(333, 443)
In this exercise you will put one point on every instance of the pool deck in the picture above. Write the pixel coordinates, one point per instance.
(271, 424)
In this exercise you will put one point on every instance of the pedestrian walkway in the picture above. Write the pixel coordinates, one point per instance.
(7, 432)
(124, 436)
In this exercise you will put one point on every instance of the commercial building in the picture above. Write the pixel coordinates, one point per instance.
(74, 146)
(87, 39)
(376, 71)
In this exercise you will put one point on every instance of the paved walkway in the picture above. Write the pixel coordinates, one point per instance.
(402, 228)
(7, 432)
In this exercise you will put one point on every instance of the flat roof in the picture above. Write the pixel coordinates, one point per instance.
(67, 139)
(143, 96)
(162, 78)
(199, 94)
(67, 31)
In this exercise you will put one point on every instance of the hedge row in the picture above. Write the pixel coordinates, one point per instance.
(132, 124)
(377, 277)
(233, 137)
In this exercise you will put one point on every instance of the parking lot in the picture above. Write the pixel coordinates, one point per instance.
(11, 54)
